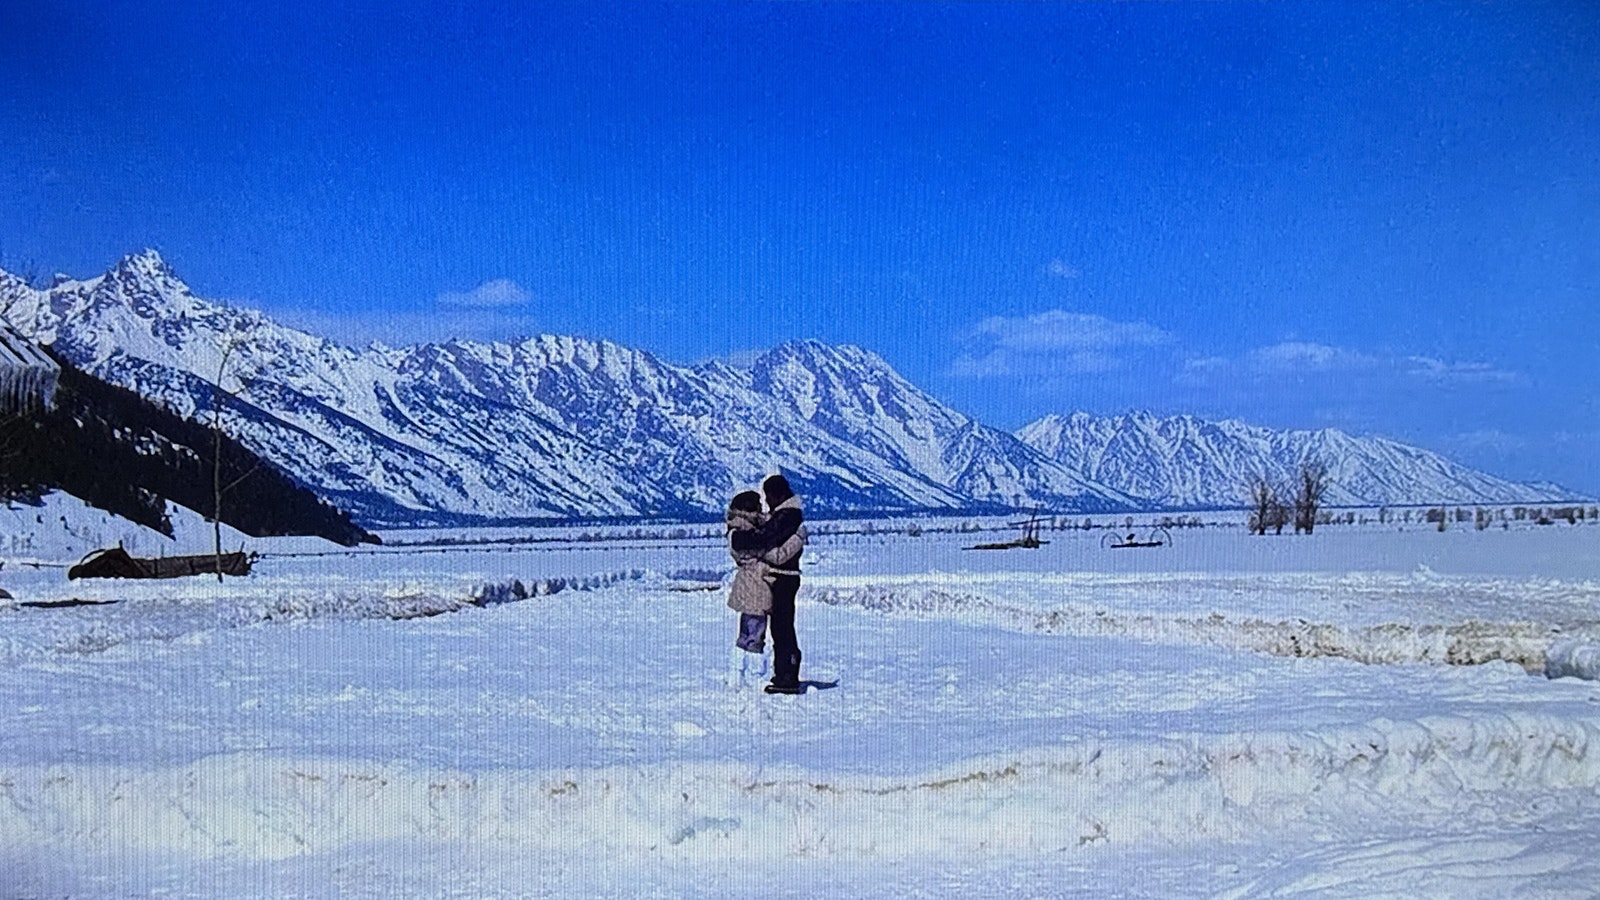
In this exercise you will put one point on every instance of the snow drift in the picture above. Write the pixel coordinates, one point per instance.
(1086, 794)
(1470, 642)
(1573, 658)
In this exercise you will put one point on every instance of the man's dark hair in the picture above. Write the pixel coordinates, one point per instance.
(746, 501)
(777, 489)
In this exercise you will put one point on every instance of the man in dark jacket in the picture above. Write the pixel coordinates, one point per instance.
(784, 521)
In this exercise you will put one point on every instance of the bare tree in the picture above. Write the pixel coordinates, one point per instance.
(1280, 516)
(1260, 494)
(220, 396)
(1311, 484)
(1266, 510)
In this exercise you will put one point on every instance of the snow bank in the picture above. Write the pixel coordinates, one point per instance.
(1114, 792)
(1470, 642)
(1573, 658)
(165, 610)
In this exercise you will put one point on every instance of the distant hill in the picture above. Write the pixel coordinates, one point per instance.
(1188, 462)
(119, 452)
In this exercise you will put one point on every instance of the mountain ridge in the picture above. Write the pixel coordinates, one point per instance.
(549, 426)
(1185, 461)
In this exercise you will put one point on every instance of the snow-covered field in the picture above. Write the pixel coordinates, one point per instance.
(1363, 712)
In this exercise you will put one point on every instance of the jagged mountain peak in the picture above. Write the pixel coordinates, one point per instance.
(145, 275)
(856, 397)
(842, 390)
(13, 290)
(846, 374)
(824, 359)
(591, 354)
(1187, 461)
(147, 262)
(722, 369)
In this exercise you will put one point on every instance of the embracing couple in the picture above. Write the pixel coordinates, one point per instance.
(766, 545)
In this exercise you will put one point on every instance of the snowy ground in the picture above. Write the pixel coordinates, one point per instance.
(1229, 716)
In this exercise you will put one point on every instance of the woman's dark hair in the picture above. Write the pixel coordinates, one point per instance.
(777, 489)
(746, 501)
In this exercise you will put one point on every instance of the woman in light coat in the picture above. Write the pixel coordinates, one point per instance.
(750, 594)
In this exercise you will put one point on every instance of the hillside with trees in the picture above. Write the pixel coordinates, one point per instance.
(118, 451)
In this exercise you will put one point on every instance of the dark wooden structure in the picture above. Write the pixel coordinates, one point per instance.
(116, 563)
(1028, 541)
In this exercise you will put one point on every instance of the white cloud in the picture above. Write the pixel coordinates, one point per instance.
(1202, 364)
(1060, 268)
(495, 310)
(1062, 330)
(1492, 439)
(1303, 358)
(1442, 372)
(1056, 342)
(497, 294)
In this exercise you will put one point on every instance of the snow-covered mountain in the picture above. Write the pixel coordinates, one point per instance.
(1183, 461)
(550, 426)
(347, 424)
(854, 398)
(562, 426)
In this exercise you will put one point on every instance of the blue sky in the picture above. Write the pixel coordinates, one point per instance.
(1381, 217)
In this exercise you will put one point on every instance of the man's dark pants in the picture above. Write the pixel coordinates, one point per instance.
(785, 646)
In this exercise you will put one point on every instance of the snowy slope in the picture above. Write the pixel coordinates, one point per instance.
(697, 433)
(855, 397)
(62, 528)
(28, 376)
(1184, 461)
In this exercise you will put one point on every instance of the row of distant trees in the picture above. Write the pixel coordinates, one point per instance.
(1273, 504)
